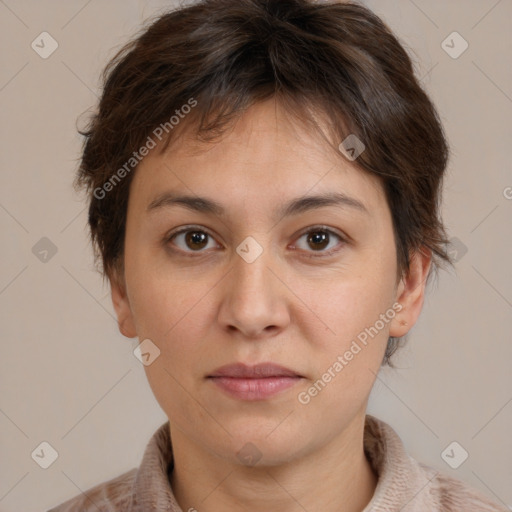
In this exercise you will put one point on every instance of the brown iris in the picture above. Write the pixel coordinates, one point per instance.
(196, 239)
(319, 239)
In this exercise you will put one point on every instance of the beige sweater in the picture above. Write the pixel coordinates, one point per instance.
(404, 484)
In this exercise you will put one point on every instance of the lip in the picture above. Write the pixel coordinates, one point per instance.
(257, 371)
(256, 382)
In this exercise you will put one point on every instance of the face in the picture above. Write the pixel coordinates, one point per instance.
(256, 273)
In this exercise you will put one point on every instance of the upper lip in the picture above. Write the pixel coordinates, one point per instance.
(261, 370)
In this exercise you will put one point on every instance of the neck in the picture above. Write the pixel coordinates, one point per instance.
(335, 477)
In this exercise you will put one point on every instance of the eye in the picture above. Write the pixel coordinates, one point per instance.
(320, 240)
(192, 239)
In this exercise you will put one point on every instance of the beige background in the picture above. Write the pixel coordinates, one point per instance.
(69, 378)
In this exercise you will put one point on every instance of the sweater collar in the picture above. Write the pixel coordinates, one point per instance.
(401, 479)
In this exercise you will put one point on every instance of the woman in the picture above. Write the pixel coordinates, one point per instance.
(264, 180)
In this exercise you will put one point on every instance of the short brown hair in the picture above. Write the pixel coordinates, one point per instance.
(335, 59)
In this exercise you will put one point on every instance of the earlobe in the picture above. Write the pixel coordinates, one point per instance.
(122, 308)
(411, 293)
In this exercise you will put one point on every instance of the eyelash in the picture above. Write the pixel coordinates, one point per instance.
(309, 230)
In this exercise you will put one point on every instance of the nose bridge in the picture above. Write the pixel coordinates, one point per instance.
(251, 272)
(252, 302)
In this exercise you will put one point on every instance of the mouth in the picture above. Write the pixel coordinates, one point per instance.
(257, 371)
(257, 382)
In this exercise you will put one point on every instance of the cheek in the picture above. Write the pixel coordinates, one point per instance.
(354, 295)
(345, 362)
(354, 315)
(348, 305)
(174, 316)
(164, 304)
(174, 394)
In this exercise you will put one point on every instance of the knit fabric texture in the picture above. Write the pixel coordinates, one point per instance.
(404, 484)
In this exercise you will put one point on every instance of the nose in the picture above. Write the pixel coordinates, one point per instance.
(254, 301)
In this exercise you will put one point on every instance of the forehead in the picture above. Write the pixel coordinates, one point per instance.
(263, 157)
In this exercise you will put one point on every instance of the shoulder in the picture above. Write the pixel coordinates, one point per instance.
(411, 486)
(452, 495)
(109, 496)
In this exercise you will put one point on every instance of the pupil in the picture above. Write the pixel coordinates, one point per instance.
(195, 239)
(319, 237)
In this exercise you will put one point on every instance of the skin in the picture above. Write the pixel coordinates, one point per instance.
(213, 309)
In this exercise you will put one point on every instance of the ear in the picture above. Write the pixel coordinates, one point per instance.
(411, 293)
(122, 307)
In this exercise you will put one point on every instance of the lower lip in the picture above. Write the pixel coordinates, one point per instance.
(254, 389)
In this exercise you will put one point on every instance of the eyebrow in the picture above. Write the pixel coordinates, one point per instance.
(293, 207)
